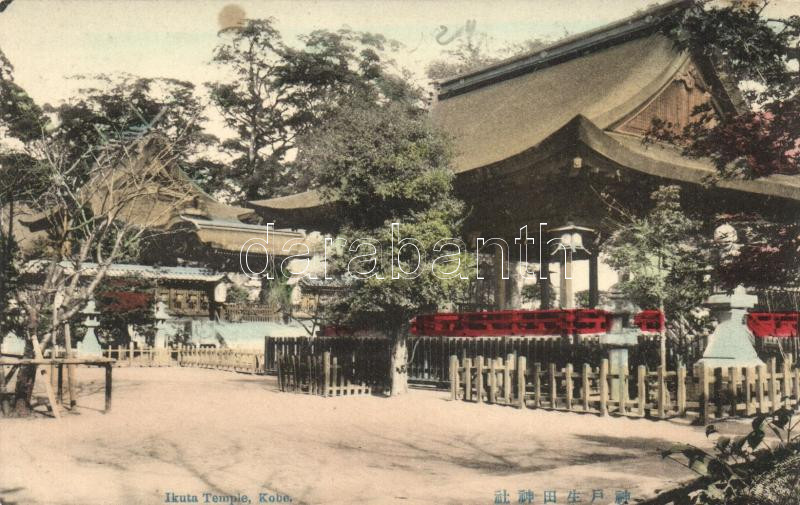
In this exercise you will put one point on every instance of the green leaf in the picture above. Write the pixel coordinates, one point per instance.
(755, 437)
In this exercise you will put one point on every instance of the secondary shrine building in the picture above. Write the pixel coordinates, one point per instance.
(540, 137)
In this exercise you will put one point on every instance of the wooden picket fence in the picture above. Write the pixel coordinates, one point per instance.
(132, 356)
(231, 360)
(319, 375)
(706, 393)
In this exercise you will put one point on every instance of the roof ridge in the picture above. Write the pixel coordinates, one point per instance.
(557, 52)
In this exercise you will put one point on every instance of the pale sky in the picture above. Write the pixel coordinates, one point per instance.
(48, 40)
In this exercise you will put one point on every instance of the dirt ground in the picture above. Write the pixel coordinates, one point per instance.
(192, 431)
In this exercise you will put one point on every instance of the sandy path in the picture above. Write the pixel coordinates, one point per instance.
(191, 431)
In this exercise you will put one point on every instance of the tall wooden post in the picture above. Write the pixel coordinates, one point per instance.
(544, 286)
(509, 365)
(705, 390)
(760, 380)
(537, 384)
(733, 388)
(594, 292)
(553, 386)
(748, 391)
(492, 381)
(521, 366)
(585, 386)
(479, 379)
(661, 394)
(622, 392)
(641, 388)
(70, 368)
(604, 387)
(787, 384)
(108, 389)
(565, 292)
(453, 377)
(568, 383)
(681, 390)
(500, 264)
(773, 383)
(468, 379)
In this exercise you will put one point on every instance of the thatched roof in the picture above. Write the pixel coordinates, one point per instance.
(501, 120)
(231, 236)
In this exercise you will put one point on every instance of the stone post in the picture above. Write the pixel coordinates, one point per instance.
(618, 339)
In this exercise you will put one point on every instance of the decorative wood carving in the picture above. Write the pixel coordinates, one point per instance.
(674, 104)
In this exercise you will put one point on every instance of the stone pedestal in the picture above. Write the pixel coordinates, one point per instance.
(731, 343)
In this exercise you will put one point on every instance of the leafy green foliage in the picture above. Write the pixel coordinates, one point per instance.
(9, 284)
(736, 464)
(761, 137)
(384, 165)
(277, 93)
(113, 106)
(533, 293)
(664, 253)
(19, 115)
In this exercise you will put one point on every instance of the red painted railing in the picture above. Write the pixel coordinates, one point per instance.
(525, 322)
(773, 324)
(559, 322)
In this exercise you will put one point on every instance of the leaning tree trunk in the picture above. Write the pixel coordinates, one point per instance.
(399, 363)
(26, 377)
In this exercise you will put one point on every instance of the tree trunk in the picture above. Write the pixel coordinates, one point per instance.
(400, 364)
(26, 377)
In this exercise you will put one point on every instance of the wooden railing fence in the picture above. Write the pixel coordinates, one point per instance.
(320, 375)
(221, 359)
(233, 360)
(429, 356)
(706, 393)
(141, 357)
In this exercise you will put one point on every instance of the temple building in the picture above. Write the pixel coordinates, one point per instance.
(541, 137)
(190, 255)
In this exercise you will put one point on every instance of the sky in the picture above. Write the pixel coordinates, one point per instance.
(49, 40)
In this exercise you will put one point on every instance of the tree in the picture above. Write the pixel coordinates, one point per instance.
(125, 304)
(277, 93)
(756, 252)
(762, 136)
(759, 137)
(665, 256)
(92, 218)
(119, 105)
(384, 165)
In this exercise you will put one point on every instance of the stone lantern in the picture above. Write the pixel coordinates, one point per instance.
(619, 338)
(161, 317)
(731, 343)
(90, 346)
(569, 240)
